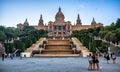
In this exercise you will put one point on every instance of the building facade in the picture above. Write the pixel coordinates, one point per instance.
(60, 27)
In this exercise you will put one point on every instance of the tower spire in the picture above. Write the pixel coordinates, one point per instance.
(59, 9)
(78, 21)
(93, 19)
(78, 17)
(41, 21)
(93, 22)
(26, 20)
(41, 16)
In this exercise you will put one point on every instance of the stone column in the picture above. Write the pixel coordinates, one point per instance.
(62, 31)
(66, 27)
(57, 30)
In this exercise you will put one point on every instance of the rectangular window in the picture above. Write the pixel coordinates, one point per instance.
(64, 28)
(55, 28)
(59, 27)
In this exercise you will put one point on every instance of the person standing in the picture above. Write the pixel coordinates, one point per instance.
(2, 50)
(111, 55)
(97, 61)
(3, 56)
(94, 61)
(107, 58)
(90, 62)
(114, 58)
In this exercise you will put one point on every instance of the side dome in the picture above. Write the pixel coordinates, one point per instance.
(26, 23)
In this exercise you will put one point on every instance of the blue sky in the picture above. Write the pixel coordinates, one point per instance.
(13, 12)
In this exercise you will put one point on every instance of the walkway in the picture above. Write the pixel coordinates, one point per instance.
(54, 65)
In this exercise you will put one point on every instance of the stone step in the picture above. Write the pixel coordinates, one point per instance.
(58, 47)
(58, 42)
(57, 52)
(56, 55)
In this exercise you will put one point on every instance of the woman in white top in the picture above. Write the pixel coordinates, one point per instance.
(114, 58)
(90, 62)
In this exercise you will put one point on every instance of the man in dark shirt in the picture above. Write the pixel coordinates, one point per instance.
(3, 56)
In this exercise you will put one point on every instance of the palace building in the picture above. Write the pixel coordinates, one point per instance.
(60, 27)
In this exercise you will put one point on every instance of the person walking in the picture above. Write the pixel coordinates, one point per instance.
(114, 58)
(11, 56)
(20, 55)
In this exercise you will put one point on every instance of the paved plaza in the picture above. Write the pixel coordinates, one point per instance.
(70, 64)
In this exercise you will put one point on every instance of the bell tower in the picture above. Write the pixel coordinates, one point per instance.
(93, 22)
(78, 21)
(41, 21)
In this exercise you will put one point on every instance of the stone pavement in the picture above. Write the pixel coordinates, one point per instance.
(69, 64)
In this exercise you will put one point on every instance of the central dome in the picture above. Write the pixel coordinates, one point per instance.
(59, 16)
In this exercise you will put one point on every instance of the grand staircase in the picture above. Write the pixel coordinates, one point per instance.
(58, 47)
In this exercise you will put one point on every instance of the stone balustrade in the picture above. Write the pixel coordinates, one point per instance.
(35, 46)
(80, 47)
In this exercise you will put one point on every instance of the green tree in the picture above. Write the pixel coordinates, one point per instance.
(2, 28)
(28, 29)
(2, 36)
(9, 47)
(19, 45)
(118, 23)
(118, 35)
